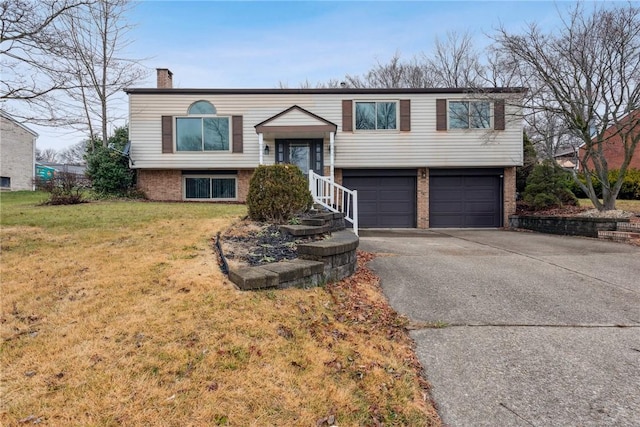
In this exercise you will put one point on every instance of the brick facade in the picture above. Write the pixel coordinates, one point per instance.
(423, 198)
(163, 185)
(613, 148)
(244, 176)
(337, 176)
(509, 194)
(166, 185)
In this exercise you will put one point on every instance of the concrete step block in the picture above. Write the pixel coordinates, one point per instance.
(305, 230)
(618, 236)
(250, 278)
(628, 226)
(316, 222)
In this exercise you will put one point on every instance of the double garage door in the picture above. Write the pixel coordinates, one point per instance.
(457, 197)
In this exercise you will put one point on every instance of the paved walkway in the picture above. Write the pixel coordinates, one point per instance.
(541, 330)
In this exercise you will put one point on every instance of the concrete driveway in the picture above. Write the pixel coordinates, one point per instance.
(540, 330)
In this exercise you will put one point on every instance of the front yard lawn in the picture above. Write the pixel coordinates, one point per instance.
(116, 313)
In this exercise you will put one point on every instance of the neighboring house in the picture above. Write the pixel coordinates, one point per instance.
(566, 158)
(613, 147)
(17, 154)
(418, 157)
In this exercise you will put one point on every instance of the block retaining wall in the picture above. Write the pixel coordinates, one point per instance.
(318, 263)
(571, 226)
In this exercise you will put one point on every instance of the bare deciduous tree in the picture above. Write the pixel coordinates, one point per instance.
(586, 76)
(48, 155)
(455, 62)
(395, 73)
(63, 58)
(97, 36)
(74, 154)
(30, 49)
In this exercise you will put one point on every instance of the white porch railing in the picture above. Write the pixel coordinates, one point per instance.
(335, 197)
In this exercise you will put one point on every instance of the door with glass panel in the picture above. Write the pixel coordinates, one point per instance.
(304, 153)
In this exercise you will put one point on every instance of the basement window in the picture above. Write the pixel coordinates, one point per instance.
(219, 188)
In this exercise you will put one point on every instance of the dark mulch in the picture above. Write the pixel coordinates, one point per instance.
(259, 244)
(522, 209)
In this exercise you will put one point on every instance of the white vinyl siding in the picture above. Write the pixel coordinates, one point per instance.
(423, 146)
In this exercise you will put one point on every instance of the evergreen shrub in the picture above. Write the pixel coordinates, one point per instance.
(277, 193)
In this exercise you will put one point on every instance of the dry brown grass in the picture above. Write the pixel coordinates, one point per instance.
(116, 313)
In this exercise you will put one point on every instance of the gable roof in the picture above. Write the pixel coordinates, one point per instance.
(6, 115)
(279, 121)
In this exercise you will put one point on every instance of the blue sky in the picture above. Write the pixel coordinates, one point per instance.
(249, 44)
(259, 44)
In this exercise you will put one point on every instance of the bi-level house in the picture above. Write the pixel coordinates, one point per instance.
(417, 157)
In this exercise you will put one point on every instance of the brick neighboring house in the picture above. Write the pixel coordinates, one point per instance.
(17, 154)
(613, 148)
(420, 158)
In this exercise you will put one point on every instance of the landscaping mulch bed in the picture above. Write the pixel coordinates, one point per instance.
(254, 243)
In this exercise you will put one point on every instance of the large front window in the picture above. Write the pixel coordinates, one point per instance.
(210, 188)
(200, 131)
(375, 115)
(469, 115)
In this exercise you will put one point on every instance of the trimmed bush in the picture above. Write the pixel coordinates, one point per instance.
(277, 193)
(548, 187)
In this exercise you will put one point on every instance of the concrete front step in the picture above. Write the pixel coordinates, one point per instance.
(618, 236)
(316, 222)
(305, 230)
(319, 223)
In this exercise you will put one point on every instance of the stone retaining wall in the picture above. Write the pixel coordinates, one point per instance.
(318, 262)
(572, 226)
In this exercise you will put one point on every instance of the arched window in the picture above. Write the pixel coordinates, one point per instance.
(199, 131)
(201, 107)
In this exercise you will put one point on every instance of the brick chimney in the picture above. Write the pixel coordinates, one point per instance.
(165, 78)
